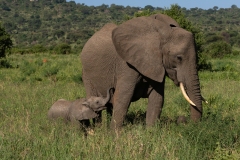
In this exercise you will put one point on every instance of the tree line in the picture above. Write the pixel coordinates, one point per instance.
(64, 27)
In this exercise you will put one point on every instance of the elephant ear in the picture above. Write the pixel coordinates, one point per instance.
(86, 113)
(138, 42)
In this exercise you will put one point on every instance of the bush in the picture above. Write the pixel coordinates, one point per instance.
(4, 63)
(38, 48)
(5, 42)
(27, 50)
(235, 52)
(28, 68)
(203, 64)
(62, 49)
(224, 66)
(218, 49)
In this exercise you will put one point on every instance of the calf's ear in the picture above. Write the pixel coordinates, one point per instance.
(86, 113)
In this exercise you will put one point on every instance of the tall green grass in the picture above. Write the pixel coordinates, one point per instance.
(29, 88)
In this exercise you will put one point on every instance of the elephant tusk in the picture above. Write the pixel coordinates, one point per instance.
(185, 94)
(204, 100)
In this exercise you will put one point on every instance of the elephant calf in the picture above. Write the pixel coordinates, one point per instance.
(78, 110)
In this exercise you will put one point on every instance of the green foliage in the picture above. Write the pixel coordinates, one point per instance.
(58, 33)
(223, 66)
(49, 70)
(38, 48)
(48, 23)
(144, 13)
(5, 42)
(26, 133)
(62, 49)
(4, 63)
(44, 67)
(223, 153)
(53, 22)
(28, 68)
(203, 64)
(218, 49)
(235, 53)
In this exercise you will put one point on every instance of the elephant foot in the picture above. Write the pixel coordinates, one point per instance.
(181, 120)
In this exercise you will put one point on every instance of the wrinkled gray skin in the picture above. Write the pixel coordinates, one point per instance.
(59, 109)
(134, 58)
(80, 109)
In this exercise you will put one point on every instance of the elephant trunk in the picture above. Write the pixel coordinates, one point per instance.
(108, 96)
(192, 85)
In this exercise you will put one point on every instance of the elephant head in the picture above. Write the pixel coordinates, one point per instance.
(83, 109)
(156, 48)
(97, 103)
(80, 109)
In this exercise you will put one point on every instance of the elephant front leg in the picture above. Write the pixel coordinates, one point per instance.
(122, 99)
(155, 103)
(121, 102)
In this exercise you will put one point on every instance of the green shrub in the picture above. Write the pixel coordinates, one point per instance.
(77, 78)
(203, 64)
(5, 42)
(4, 63)
(27, 50)
(38, 48)
(144, 13)
(218, 49)
(62, 49)
(50, 70)
(21, 51)
(28, 68)
(223, 66)
(235, 53)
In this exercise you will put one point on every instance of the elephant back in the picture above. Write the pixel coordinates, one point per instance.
(164, 18)
(59, 109)
(98, 59)
(101, 38)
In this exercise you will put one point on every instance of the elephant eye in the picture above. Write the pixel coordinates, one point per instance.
(97, 102)
(179, 58)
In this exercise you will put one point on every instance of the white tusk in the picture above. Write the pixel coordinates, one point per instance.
(204, 100)
(185, 94)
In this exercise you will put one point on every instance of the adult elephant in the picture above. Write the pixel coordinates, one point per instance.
(134, 58)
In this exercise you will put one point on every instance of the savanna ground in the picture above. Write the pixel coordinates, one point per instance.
(37, 80)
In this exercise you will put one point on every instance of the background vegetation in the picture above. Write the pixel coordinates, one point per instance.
(42, 69)
(48, 23)
(36, 81)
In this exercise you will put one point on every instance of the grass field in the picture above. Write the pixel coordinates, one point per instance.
(29, 88)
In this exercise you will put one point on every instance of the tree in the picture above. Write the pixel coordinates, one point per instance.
(234, 6)
(151, 8)
(215, 8)
(5, 42)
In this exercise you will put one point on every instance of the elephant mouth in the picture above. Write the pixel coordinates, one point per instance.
(100, 108)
